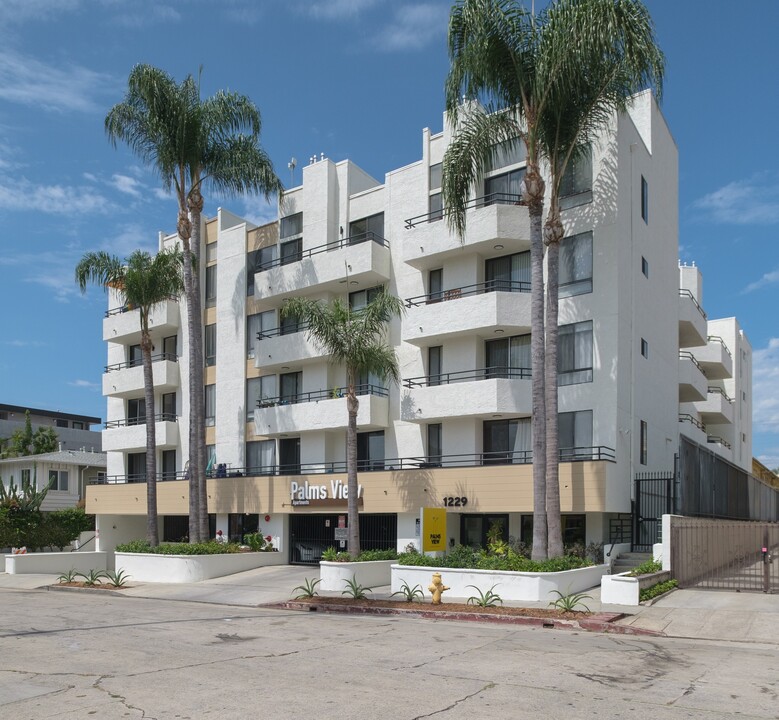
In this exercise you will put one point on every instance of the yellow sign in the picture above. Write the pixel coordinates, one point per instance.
(433, 529)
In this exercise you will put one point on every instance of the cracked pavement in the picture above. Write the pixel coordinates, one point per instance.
(83, 655)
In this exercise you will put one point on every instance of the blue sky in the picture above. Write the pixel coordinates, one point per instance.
(349, 78)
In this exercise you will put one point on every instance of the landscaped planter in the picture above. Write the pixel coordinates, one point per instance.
(519, 586)
(51, 563)
(335, 575)
(623, 589)
(147, 567)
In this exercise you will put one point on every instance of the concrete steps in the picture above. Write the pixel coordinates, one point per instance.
(627, 561)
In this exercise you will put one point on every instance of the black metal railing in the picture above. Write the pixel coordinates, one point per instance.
(480, 202)
(290, 329)
(720, 391)
(326, 394)
(139, 478)
(129, 308)
(685, 417)
(685, 355)
(140, 420)
(477, 289)
(139, 362)
(449, 378)
(718, 339)
(688, 294)
(343, 242)
(716, 439)
(497, 457)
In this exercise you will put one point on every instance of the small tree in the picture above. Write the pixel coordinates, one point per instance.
(355, 339)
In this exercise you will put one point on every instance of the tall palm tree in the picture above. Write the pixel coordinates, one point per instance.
(552, 80)
(142, 281)
(355, 339)
(191, 143)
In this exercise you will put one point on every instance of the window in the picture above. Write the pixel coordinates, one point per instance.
(435, 177)
(574, 353)
(289, 456)
(369, 228)
(170, 347)
(576, 265)
(210, 405)
(134, 356)
(508, 152)
(644, 348)
(169, 406)
(209, 340)
(435, 284)
(645, 266)
(577, 178)
(290, 324)
(255, 326)
(61, 423)
(258, 391)
(575, 433)
(58, 480)
(508, 357)
(361, 298)
(210, 457)
(260, 457)
(136, 467)
(573, 529)
(370, 450)
(291, 225)
(644, 200)
(136, 411)
(506, 441)
(267, 257)
(434, 446)
(435, 207)
(291, 386)
(504, 187)
(291, 251)
(26, 476)
(168, 464)
(252, 264)
(211, 286)
(434, 364)
(77, 425)
(211, 253)
(508, 273)
(643, 442)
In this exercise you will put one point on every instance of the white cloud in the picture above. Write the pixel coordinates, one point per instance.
(767, 279)
(148, 15)
(61, 88)
(89, 176)
(20, 11)
(162, 194)
(770, 459)
(24, 343)
(765, 387)
(126, 184)
(413, 27)
(23, 195)
(256, 210)
(84, 384)
(339, 9)
(131, 238)
(745, 202)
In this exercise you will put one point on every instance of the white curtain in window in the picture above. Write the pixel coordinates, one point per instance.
(523, 440)
(519, 352)
(583, 343)
(520, 267)
(576, 258)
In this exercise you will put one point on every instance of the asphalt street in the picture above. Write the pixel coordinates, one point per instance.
(83, 655)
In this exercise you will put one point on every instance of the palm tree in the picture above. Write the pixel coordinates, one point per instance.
(551, 80)
(142, 281)
(356, 340)
(191, 143)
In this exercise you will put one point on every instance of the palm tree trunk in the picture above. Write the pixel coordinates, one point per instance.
(553, 233)
(152, 534)
(352, 406)
(534, 196)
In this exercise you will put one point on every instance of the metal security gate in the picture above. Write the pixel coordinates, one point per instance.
(725, 554)
(654, 497)
(311, 534)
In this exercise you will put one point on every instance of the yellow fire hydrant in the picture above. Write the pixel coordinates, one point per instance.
(437, 588)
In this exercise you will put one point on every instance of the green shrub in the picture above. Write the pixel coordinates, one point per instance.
(465, 557)
(646, 568)
(371, 555)
(207, 548)
(33, 529)
(655, 590)
(257, 542)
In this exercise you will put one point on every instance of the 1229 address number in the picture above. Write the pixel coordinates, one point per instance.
(455, 501)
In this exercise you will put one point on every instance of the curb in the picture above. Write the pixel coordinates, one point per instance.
(64, 588)
(598, 622)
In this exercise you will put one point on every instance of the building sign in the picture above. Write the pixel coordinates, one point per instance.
(334, 494)
(433, 529)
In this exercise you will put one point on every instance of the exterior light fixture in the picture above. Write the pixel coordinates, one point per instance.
(498, 247)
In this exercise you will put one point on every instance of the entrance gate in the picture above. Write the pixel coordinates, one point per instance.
(654, 497)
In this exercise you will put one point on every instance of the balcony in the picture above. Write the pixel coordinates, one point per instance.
(123, 324)
(490, 220)
(692, 321)
(321, 410)
(715, 359)
(691, 427)
(126, 379)
(716, 409)
(483, 393)
(483, 308)
(130, 435)
(692, 381)
(364, 258)
(282, 346)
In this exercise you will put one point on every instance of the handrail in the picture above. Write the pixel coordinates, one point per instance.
(449, 378)
(131, 422)
(139, 362)
(281, 330)
(508, 457)
(714, 389)
(129, 308)
(686, 417)
(684, 354)
(688, 293)
(466, 290)
(718, 439)
(717, 338)
(326, 394)
(480, 202)
(342, 242)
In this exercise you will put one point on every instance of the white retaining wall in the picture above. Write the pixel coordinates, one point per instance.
(191, 568)
(54, 562)
(335, 575)
(624, 590)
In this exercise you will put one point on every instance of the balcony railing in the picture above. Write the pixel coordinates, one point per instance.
(133, 421)
(714, 439)
(720, 391)
(688, 293)
(685, 417)
(718, 339)
(129, 308)
(485, 201)
(137, 363)
(489, 373)
(282, 330)
(498, 457)
(684, 354)
(477, 289)
(327, 394)
(343, 242)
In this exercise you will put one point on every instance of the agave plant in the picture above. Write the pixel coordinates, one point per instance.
(356, 591)
(116, 578)
(307, 589)
(485, 599)
(570, 602)
(410, 593)
(92, 577)
(68, 577)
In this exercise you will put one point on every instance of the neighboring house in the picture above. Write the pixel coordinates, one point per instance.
(73, 431)
(640, 366)
(68, 470)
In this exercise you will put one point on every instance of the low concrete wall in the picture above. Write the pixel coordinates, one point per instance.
(623, 589)
(191, 568)
(334, 575)
(520, 586)
(54, 562)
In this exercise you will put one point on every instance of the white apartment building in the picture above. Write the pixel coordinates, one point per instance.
(456, 431)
